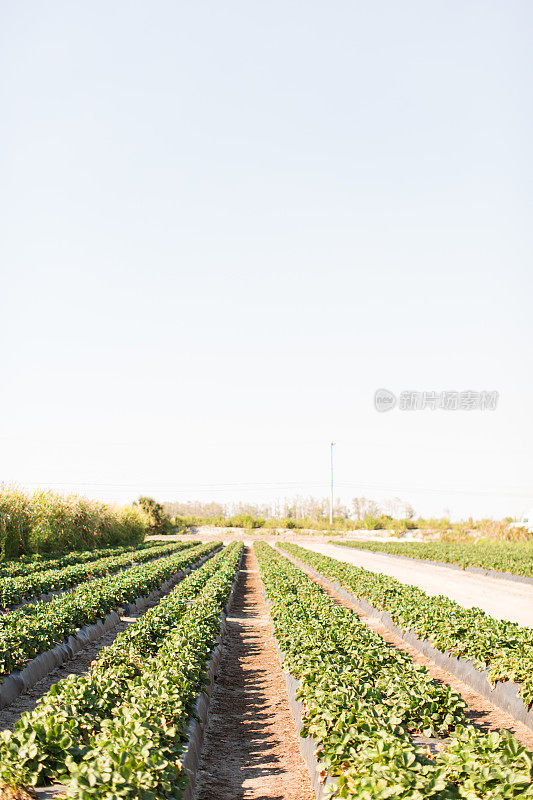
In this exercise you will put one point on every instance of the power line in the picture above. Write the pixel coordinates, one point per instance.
(180, 488)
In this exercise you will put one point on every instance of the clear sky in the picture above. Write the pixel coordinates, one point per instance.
(224, 225)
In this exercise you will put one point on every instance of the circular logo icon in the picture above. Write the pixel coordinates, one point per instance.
(384, 400)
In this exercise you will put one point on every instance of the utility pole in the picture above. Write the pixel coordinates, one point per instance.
(332, 445)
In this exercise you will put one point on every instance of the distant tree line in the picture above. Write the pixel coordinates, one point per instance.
(309, 513)
(298, 512)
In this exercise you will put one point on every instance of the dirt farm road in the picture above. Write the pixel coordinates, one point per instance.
(499, 598)
(251, 745)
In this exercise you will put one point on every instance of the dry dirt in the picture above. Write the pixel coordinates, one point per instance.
(480, 712)
(251, 746)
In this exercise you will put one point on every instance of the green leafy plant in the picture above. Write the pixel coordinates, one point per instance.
(503, 648)
(501, 556)
(38, 562)
(364, 701)
(14, 590)
(119, 731)
(32, 629)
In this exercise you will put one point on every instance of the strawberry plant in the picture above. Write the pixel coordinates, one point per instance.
(500, 556)
(32, 629)
(26, 565)
(14, 590)
(503, 648)
(363, 702)
(119, 730)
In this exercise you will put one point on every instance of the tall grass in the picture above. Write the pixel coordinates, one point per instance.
(46, 522)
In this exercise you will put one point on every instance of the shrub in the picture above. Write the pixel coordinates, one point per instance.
(373, 523)
(406, 525)
(159, 522)
(246, 521)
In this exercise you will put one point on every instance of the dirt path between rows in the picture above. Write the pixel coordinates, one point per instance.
(251, 747)
(480, 712)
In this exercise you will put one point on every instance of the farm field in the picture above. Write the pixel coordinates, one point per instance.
(382, 720)
(498, 597)
(503, 648)
(266, 513)
(27, 565)
(382, 726)
(505, 557)
(32, 629)
(24, 588)
(118, 727)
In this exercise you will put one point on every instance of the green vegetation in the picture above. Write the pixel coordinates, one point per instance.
(516, 558)
(15, 590)
(250, 522)
(45, 522)
(296, 514)
(364, 701)
(28, 565)
(159, 522)
(309, 514)
(32, 629)
(119, 731)
(503, 648)
(245, 521)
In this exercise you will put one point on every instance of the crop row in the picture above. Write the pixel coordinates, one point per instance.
(27, 565)
(32, 629)
(516, 559)
(119, 731)
(16, 590)
(364, 702)
(503, 648)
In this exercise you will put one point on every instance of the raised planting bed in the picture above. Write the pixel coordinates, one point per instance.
(382, 727)
(468, 640)
(44, 585)
(127, 728)
(27, 565)
(198, 718)
(36, 638)
(513, 562)
(321, 783)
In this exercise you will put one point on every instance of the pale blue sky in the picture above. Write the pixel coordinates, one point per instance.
(224, 225)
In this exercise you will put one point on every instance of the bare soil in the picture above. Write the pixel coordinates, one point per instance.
(479, 712)
(251, 747)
